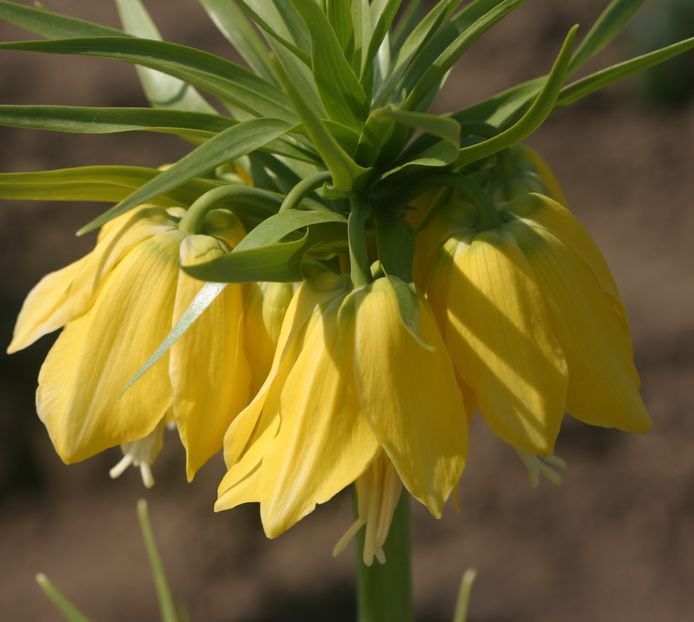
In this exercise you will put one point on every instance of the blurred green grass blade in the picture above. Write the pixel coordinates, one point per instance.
(225, 147)
(611, 22)
(62, 604)
(209, 72)
(541, 108)
(463, 603)
(235, 26)
(344, 170)
(407, 22)
(52, 25)
(96, 183)
(161, 90)
(98, 120)
(167, 606)
(599, 80)
(341, 93)
(439, 66)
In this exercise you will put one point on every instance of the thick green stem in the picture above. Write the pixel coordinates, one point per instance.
(385, 591)
(360, 271)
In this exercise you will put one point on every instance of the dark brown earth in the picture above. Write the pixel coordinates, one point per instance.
(614, 542)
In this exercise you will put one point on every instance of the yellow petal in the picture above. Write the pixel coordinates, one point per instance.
(323, 443)
(207, 365)
(313, 441)
(603, 383)
(66, 294)
(81, 379)
(408, 394)
(47, 307)
(541, 211)
(250, 434)
(544, 171)
(501, 342)
(266, 308)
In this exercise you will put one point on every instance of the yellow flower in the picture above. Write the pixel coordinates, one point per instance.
(116, 305)
(532, 318)
(350, 384)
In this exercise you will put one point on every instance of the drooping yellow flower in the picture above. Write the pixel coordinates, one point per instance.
(532, 318)
(350, 385)
(116, 306)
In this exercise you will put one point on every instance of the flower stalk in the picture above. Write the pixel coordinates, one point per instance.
(384, 591)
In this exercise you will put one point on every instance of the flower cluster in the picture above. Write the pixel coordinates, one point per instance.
(334, 280)
(311, 387)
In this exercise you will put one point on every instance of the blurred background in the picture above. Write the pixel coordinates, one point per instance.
(614, 542)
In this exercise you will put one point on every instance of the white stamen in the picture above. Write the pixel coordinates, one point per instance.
(119, 469)
(538, 466)
(347, 537)
(146, 474)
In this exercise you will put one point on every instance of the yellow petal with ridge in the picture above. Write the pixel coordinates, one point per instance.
(502, 344)
(78, 397)
(64, 295)
(408, 394)
(541, 211)
(603, 382)
(208, 367)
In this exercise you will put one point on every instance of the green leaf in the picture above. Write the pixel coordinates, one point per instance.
(339, 14)
(274, 262)
(383, 14)
(284, 223)
(162, 91)
(235, 26)
(339, 88)
(599, 80)
(62, 604)
(439, 153)
(540, 109)
(51, 25)
(211, 73)
(611, 22)
(280, 20)
(346, 174)
(225, 147)
(96, 183)
(97, 120)
(440, 66)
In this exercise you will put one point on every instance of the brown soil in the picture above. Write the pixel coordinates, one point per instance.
(614, 542)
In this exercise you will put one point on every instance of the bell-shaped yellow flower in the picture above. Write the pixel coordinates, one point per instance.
(116, 305)
(350, 384)
(532, 319)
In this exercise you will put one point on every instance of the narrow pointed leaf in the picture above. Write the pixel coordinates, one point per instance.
(162, 90)
(540, 109)
(344, 170)
(436, 70)
(339, 88)
(51, 25)
(225, 147)
(611, 22)
(96, 183)
(98, 120)
(384, 17)
(234, 25)
(599, 80)
(211, 73)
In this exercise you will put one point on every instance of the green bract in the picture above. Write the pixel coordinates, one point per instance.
(330, 121)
